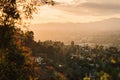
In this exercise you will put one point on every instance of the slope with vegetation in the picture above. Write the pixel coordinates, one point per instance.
(75, 61)
(15, 58)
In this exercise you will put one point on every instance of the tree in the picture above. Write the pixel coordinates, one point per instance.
(13, 62)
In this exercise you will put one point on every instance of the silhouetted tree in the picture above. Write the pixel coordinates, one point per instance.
(13, 61)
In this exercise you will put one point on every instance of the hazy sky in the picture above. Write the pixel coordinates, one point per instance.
(78, 11)
(105, 15)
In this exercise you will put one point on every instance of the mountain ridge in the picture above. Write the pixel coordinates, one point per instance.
(103, 25)
(69, 31)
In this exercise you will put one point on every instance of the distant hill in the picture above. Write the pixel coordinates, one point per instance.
(108, 24)
(74, 31)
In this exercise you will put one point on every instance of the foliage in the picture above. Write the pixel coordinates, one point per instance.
(15, 63)
(76, 61)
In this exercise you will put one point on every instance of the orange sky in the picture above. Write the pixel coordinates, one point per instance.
(77, 11)
(66, 12)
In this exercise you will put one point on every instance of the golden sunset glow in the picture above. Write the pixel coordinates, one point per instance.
(77, 11)
(82, 12)
(59, 40)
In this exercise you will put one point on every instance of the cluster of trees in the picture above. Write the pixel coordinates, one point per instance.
(15, 62)
(75, 61)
